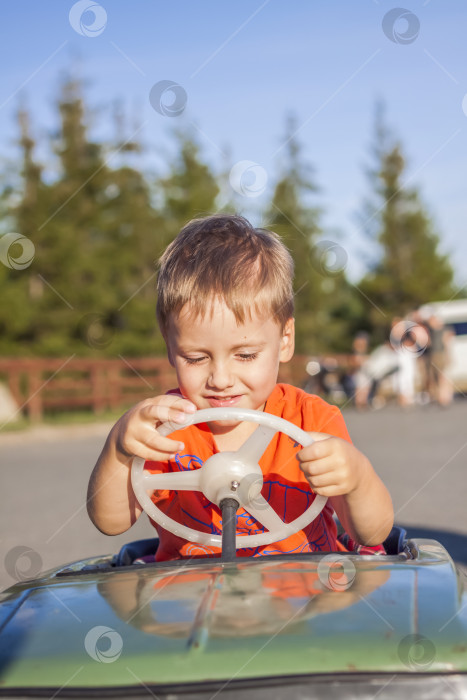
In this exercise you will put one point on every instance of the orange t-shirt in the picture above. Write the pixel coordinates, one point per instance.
(285, 486)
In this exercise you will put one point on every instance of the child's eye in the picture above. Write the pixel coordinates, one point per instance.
(193, 360)
(245, 357)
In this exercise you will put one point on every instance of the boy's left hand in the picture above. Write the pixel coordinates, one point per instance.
(332, 466)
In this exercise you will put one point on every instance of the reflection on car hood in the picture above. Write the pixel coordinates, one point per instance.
(255, 618)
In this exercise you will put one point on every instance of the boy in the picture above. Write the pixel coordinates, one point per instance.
(225, 308)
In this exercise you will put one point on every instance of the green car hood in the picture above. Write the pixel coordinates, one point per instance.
(254, 618)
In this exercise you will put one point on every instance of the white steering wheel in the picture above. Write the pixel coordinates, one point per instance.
(227, 475)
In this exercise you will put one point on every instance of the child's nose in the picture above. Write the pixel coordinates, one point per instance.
(220, 377)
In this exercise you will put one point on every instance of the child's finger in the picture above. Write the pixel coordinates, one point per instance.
(320, 481)
(150, 445)
(163, 412)
(166, 445)
(170, 400)
(317, 450)
(152, 455)
(178, 402)
(329, 491)
(318, 467)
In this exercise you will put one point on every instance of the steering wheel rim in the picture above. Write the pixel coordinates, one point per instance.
(217, 476)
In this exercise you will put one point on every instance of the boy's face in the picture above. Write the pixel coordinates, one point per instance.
(221, 363)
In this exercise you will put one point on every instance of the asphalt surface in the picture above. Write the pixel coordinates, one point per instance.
(420, 454)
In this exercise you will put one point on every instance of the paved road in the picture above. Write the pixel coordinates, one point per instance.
(421, 455)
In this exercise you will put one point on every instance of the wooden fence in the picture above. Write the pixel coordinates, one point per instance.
(41, 385)
(44, 385)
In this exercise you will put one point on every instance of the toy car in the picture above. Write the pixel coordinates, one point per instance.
(295, 626)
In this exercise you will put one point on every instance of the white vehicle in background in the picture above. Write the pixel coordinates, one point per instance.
(454, 316)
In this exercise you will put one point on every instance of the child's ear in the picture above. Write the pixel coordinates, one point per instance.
(288, 341)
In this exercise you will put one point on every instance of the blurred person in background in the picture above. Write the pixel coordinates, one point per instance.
(439, 387)
(358, 380)
(371, 369)
(423, 341)
(382, 364)
(404, 342)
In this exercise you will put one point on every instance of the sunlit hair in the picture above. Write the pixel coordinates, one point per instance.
(224, 257)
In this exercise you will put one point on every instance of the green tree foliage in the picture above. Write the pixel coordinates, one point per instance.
(98, 225)
(320, 297)
(297, 222)
(411, 270)
(190, 189)
(97, 238)
(24, 204)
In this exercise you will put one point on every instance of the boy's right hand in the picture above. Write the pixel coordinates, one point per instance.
(135, 432)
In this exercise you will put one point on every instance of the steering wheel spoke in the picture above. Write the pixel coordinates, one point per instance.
(255, 446)
(176, 481)
(260, 509)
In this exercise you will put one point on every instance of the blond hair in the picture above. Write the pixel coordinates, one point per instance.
(225, 257)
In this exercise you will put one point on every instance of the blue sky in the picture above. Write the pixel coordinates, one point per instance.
(244, 66)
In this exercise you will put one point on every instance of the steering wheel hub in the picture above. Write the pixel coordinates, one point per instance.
(223, 468)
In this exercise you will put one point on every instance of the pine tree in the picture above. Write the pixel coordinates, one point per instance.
(411, 271)
(296, 220)
(91, 287)
(70, 238)
(190, 189)
(114, 236)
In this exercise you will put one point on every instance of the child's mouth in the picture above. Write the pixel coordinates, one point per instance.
(222, 401)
